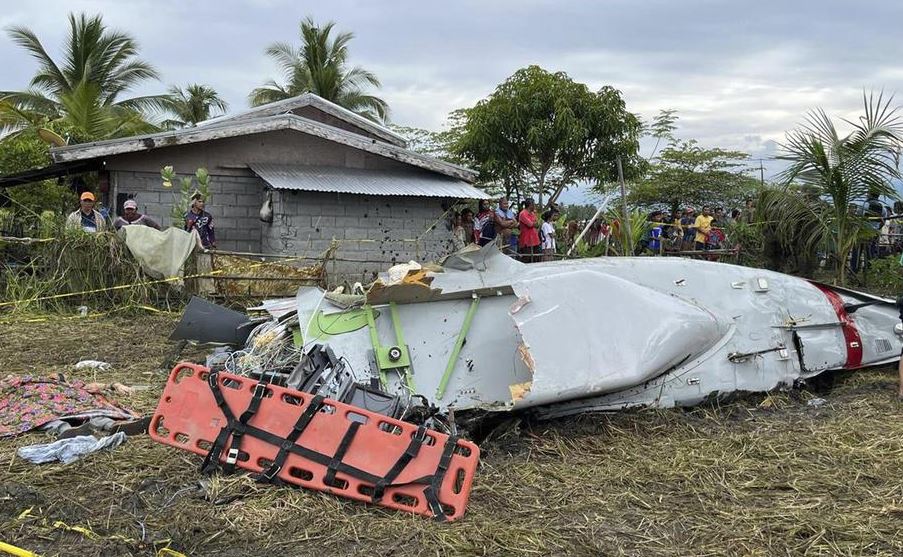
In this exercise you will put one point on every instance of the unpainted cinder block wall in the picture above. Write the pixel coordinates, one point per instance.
(234, 202)
(372, 232)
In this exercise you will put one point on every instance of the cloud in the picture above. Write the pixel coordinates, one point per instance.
(739, 74)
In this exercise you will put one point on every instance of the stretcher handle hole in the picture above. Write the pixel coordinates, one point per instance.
(292, 399)
(300, 473)
(159, 428)
(365, 489)
(355, 417)
(268, 392)
(264, 462)
(428, 439)
(394, 429)
(337, 483)
(460, 474)
(243, 456)
(182, 438)
(404, 499)
(203, 375)
(463, 450)
(182, 373)
(204, 444)
(328, 409)
(230, 383)
(448, 509)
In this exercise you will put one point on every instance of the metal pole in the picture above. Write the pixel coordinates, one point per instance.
(625, 221)
(585, 228)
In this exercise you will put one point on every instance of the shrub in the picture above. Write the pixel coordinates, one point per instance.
(885, 276)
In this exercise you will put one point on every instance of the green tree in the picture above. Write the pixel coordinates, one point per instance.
(188, 187)
(320, 66)
(541, 132)
(24, 152)
(81, 96)
(577, 212)
(831, 175)
(425, 142)
(661, 128)
(686, 174)
(195, 103)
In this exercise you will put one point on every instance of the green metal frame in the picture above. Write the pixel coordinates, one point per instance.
(381, 353)
(456, 351)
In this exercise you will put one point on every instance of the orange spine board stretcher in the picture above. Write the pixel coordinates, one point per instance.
(189, 418)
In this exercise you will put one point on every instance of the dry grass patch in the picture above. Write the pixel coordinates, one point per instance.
(763, 475)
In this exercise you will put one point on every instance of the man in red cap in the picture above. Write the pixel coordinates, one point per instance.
(130, 215)
(86, 218)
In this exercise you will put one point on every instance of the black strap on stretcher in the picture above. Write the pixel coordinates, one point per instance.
(334, 464)
(329, 478)
(270, 474)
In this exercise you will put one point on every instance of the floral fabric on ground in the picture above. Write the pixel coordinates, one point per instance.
(28, 402)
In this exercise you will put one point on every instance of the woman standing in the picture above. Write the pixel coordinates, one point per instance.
(528, 241)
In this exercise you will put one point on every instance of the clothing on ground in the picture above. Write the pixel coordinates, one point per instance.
(69, 450)
(28, 402)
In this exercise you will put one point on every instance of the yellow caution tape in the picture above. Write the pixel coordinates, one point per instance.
(88, 316)
(141, 283)
(17, 551)
(166, 552)
(86, 532)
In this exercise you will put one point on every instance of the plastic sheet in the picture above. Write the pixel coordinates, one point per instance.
(69, 450)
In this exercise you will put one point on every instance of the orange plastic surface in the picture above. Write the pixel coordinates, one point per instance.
(188, 418)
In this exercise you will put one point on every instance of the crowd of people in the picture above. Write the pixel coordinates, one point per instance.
(681, 231)
(93, 219)
(524, 234)
(530, 236)
(687, 231)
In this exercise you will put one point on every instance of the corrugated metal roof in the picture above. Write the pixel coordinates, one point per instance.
(365, 182)
(286, 106)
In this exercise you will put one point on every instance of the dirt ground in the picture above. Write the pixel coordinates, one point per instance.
(762, 475)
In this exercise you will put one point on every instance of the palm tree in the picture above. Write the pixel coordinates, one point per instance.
(191, 105)
(81, 95)
(831, 176)
(319, 66)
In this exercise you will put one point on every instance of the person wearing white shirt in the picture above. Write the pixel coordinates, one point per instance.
(547, 233)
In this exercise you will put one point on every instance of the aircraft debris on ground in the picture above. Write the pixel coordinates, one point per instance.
(441, 347)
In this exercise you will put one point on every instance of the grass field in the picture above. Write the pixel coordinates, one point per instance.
(762, 475)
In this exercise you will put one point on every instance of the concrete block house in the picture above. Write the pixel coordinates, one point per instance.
(331, 174)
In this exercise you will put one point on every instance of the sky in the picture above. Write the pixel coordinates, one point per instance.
(739, 74)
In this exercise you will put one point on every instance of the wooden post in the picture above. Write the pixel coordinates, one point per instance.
(205, 285)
